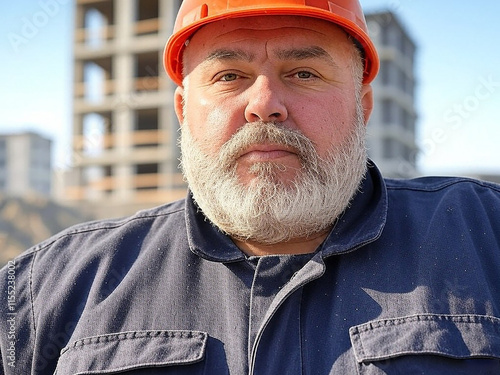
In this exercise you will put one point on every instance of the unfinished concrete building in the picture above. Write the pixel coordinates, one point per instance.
(392, 126)
(124, 127)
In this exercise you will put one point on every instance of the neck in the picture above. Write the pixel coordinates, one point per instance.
(293, 247)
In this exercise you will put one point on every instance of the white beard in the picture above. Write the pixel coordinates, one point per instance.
(269, 210)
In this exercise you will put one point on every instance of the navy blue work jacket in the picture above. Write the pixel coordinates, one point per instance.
(407, 282)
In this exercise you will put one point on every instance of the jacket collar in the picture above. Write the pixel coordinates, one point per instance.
(361, 223)
(364, 220)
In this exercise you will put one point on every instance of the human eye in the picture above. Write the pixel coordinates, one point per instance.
(228, 77)
(304, 75)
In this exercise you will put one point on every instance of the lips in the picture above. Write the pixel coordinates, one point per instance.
(266, 152)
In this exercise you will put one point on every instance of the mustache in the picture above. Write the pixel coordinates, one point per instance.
(266, 133)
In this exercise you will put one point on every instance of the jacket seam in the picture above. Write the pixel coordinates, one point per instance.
(32, 297)
(103, 226)
(443, 185)
(301, 331)
(133, 335)
(456, 318)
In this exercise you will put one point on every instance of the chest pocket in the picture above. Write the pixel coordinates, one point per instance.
(428, 344)
(139, 352)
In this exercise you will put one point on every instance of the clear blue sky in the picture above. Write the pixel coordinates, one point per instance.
(458, 92)
(36, 73)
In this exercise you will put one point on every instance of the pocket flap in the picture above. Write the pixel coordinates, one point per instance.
(131, 350)
(454, 336)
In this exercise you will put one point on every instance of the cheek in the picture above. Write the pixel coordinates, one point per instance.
(328, 123)
(217, 119)
(210, 125)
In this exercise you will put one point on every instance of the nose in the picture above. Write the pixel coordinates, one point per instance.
(265, 101)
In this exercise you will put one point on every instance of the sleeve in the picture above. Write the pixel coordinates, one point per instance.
(17, 330)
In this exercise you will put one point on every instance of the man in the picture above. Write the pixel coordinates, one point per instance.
(291, 254)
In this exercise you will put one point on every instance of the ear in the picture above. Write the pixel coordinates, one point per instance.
(179, 104)
(367, 101)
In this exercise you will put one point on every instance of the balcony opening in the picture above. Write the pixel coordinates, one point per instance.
(147, 177)
(146, 128)
(108, 179)
(97, 80)
(98, 181)
(97, 25)
(147, 17)
(147, 71)
(147, 9)
(96, 134)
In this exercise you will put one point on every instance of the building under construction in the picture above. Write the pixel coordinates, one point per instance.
(124, 126)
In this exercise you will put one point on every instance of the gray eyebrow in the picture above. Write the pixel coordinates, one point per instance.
(229, 54)
(305, 53)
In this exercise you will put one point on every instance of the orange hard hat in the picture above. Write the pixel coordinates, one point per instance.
(193, 14)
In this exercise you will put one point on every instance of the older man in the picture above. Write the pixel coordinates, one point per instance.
(291, 254)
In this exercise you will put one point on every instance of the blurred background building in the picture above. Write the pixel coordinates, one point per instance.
(28, 212)
(391, 129)
(124, 126)
(25, 164)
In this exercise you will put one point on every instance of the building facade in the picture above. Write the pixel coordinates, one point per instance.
(124, 126)
(25, 164)
(391, 129)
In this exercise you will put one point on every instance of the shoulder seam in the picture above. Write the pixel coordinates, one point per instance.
(443, 185)
(99, 225)
(32, 299)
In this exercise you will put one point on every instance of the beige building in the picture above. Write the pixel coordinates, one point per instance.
(392, 138)
(124, 127)
(25, 164)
